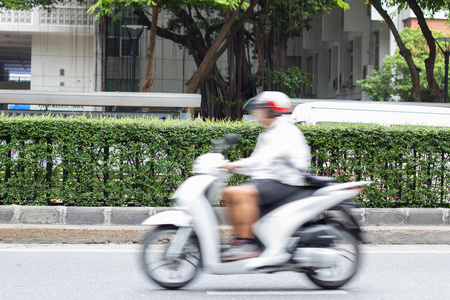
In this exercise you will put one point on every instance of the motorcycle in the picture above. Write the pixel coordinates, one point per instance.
(295, 235)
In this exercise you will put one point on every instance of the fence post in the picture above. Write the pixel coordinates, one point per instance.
(106, 174)
(7, 139)
(8, 168)
(442, 175)
(49, 169)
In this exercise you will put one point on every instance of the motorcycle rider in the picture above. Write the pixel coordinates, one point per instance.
(280, 153)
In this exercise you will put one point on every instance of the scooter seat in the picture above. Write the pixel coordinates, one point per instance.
(320, 181)
(303, 192)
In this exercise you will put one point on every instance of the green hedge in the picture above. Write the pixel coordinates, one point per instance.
(140, 162)
(408, 164)
(103, 161)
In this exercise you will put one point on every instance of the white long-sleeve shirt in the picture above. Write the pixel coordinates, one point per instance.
(280, 151)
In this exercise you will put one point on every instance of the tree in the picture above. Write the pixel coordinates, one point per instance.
(433, 6)
(151, 48)
(274, 24)
(230, 8)
(268, 31)
(404, 51)
(208, 31)
(418, 7)
(391, 80)
(216, 36)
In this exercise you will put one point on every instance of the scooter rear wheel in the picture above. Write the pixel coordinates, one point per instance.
(169, 272)
(345, 267)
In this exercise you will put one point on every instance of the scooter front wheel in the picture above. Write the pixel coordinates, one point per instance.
(168, 270)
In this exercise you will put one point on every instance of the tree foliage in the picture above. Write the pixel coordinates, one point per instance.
(286, 79)
(112, 7)
(419, 8)
(276, 23)
(392, 79)
(27, 4)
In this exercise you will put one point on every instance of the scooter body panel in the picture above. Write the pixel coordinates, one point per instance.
(179, 218)
(275, 229)
(192, 208)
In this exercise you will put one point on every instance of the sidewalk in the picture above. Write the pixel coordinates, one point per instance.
(59, 224)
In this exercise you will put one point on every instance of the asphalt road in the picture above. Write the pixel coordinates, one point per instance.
(112, 272)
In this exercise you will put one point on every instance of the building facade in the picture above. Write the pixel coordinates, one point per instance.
(64, 50)
(61, 51)
(346, 46)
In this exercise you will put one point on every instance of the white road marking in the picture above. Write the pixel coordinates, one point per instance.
(407, 252)
(71, 250)
(273, 293)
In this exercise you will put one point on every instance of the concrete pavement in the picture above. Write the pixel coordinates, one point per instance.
(60, 224)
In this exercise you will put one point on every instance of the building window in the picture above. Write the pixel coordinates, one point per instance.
(329, 63)
(119, 43)
(376, 50)
(349, 54)
(308, 90)
(113, 41)
(120, 85)
(127, 45)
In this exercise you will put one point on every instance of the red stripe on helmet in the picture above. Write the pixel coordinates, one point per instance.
(278, 109)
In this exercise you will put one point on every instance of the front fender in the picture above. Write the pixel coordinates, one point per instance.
(178, 218)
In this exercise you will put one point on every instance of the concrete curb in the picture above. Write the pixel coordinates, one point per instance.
(58, 224)
(68, 215)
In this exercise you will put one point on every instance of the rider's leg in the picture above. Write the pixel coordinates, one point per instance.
(243, 202)
(243, 210)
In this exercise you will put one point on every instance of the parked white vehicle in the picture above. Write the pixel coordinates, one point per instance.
(385, 113)
(292, 234)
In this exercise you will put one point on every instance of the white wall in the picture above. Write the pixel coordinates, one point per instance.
(332, 26)
(357, 17)
(385, 46)
(339, 30)
(62, 62)
(62, 19)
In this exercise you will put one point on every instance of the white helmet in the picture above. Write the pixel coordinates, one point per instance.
(279, 102)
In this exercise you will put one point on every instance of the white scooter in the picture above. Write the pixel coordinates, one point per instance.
(295, 235)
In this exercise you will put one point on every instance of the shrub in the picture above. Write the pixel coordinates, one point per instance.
(140, 162)
(408, 164)
(104, 161)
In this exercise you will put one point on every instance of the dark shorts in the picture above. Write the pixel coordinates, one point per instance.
(272, 191)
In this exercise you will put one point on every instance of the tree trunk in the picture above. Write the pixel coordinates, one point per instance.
(208, 62)
(259, 51)
(231, 78)
(240, 71)
(214, 52)
(405, 52)
(429, 62)
(151, 50)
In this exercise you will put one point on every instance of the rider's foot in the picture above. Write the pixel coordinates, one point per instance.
(241, 249)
